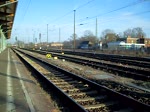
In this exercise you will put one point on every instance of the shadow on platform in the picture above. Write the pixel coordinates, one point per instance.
(19, 105)
(15, 77)
(6, 61)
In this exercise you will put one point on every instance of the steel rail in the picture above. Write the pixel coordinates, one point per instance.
(123, 98)
(123, 70)
(135, 61)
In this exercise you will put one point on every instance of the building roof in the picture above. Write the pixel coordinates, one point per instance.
(7, 15)
(116, 43)
(86, 42)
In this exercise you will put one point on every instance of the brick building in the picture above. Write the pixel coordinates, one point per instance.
(131, 40)
(145, 41)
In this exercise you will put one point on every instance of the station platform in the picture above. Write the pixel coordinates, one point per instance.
(19, 91)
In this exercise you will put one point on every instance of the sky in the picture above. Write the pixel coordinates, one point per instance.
(34, 17)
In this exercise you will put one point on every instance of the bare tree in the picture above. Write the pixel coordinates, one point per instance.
(134, 33)
(88, 33)
(127, 33)
(108, 35)
(138, 32)
(120, 35)
(107, 31)
(88, 36)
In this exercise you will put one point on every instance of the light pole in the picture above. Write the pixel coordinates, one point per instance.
(47, 36)
(96, 29)
(74, 29)
(34, 40)
(40, 40)
(59, 39)
(59, 35)
(47, 33)
(40, 37)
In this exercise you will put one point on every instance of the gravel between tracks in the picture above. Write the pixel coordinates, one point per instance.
(99, 76)
(91, 73)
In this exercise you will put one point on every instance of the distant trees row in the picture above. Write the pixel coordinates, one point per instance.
(134, 33)
(108, 35)
(88, 36)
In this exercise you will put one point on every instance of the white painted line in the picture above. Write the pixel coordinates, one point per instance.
(29, 101)
(10, 100)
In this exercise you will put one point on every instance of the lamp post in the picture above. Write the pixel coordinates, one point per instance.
(40, 40)
(74, 29)
(59, 35)
(40, 37)
(96, 29)
(59, 39)
(47, 36)
(47, 33)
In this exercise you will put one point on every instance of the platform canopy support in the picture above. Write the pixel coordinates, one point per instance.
(7, 15)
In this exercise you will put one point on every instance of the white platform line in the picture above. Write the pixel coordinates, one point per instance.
(10, 99)
(29, 101)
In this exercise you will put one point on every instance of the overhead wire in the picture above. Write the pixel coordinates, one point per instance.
(26, 9)
(121, 17)
(111, 19)
(81, 6)
(131, 15)
(85, 4)
(73, 10)
(62, 16)
(23, 16)
(107, 20)
(132, 4)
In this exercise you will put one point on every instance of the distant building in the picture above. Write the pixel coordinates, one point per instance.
(145, 41)
(85, 45)
(120, 45)
(131, 40)
(56, 44)
(116, 45)
(142, 40)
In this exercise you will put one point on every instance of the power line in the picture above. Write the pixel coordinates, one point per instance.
(84, 4)
(73, 10)
(121, 17)
(26, 9)
(63, 16)
(132, 4)
(22, 15)
(108, 20)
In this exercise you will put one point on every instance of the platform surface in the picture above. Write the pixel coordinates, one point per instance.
(19, 91)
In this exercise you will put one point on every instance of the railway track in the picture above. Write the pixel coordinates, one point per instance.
(134, 61)
(119, 69)
(136, 92)
(80, 94)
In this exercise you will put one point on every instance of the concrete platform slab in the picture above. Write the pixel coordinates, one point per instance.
(19, 91)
